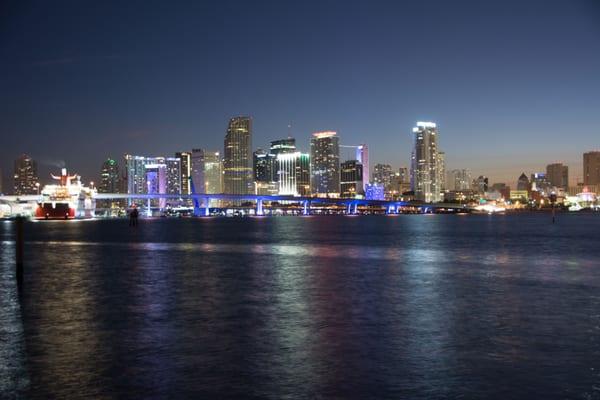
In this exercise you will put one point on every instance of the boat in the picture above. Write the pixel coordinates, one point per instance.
(68, 199)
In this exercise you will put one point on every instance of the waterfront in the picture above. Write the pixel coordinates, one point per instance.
(412, 306)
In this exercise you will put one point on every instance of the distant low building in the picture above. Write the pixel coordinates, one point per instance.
(374, 191)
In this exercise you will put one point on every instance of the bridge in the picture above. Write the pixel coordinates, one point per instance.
(202, 201)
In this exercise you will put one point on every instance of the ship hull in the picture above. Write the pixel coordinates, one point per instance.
(57, 210)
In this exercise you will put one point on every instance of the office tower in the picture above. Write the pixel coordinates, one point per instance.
(591, 168)
(197, 183)
(303, 174)
(173, 175)
(351, 179)
(404, 175)
(185, 158)
(480, 185)
(283, 146)
(264, 166)
(425, 163)
(325, 164)
(459, 179)
(362, 156)
(540, 183)
(523, 182)
(382, 175)
(152, 175)
(237, 162)
(558, 175)
(25, 176)
(213, 172)
(110, 180)
(441, 169)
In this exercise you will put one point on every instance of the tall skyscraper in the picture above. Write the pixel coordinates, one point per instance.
(523, 182)
(303, 174)
(441, 169)
(152, 175)
(426, 163)
(25, 176)
(351, 179)
(382, 175)
(459, 180)
(362, 156)
(185, 158)
(213, 172)
(283, 146)
(110, 179)
(591, 168)
(558, 175)
(264, 166)
(197, 171)
(325, 164)
(237, 163)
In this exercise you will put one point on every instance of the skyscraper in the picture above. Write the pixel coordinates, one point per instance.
(152, 175)
(325, 164)
(351, 179)
(237, 163)
(264, 166)
(362, 156)
(185, 158)
(558, 175)
(197, 171)
(523, 182)
(25, 176)
(109, 177)
(591, 168)
(426, 163)
(459, 179)
(283, 146)
(382, 175)
(441, 169)
(213, 172)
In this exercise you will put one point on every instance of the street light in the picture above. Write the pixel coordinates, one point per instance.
(37, 186)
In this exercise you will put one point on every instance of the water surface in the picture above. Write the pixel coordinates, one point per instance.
(410, 306)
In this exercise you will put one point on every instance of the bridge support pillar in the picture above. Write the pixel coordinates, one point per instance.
(349, 208)
(148, 209)
(306, 209)
(355, 210)
(259, 207)
(207, 207)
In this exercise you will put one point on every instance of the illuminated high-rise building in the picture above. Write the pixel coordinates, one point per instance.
(540, 183)
(264, 166)
(441, 169)
(213, 172)
(591, 168)
(558, 175)
(110, 179)
(382, 175)
(459, 180)
(425, 175)
(325, 164)
(362, 156)
(25, 176)
(293, 173)
(523, 183)
(152, 175)
(237, 161)
(185, 158)
(283, 146)
(351, 179)
(197, 171)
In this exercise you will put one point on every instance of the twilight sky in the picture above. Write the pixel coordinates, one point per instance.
(513, 85)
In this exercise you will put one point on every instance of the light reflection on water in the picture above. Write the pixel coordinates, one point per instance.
(304, 307)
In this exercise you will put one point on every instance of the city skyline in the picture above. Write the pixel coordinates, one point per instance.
(503, 108)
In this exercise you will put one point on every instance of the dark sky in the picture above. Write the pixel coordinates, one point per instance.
(513, 85)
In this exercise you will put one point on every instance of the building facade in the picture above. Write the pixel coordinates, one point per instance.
(264, 166)
(351, 179)
(213, 172)
(152, 175)
(362, 156)
(325, 164)
(185, 159)
(591, 168)
(237, 157)
(425, 174)
(558, 175)
(523, 183)
(25, 176)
